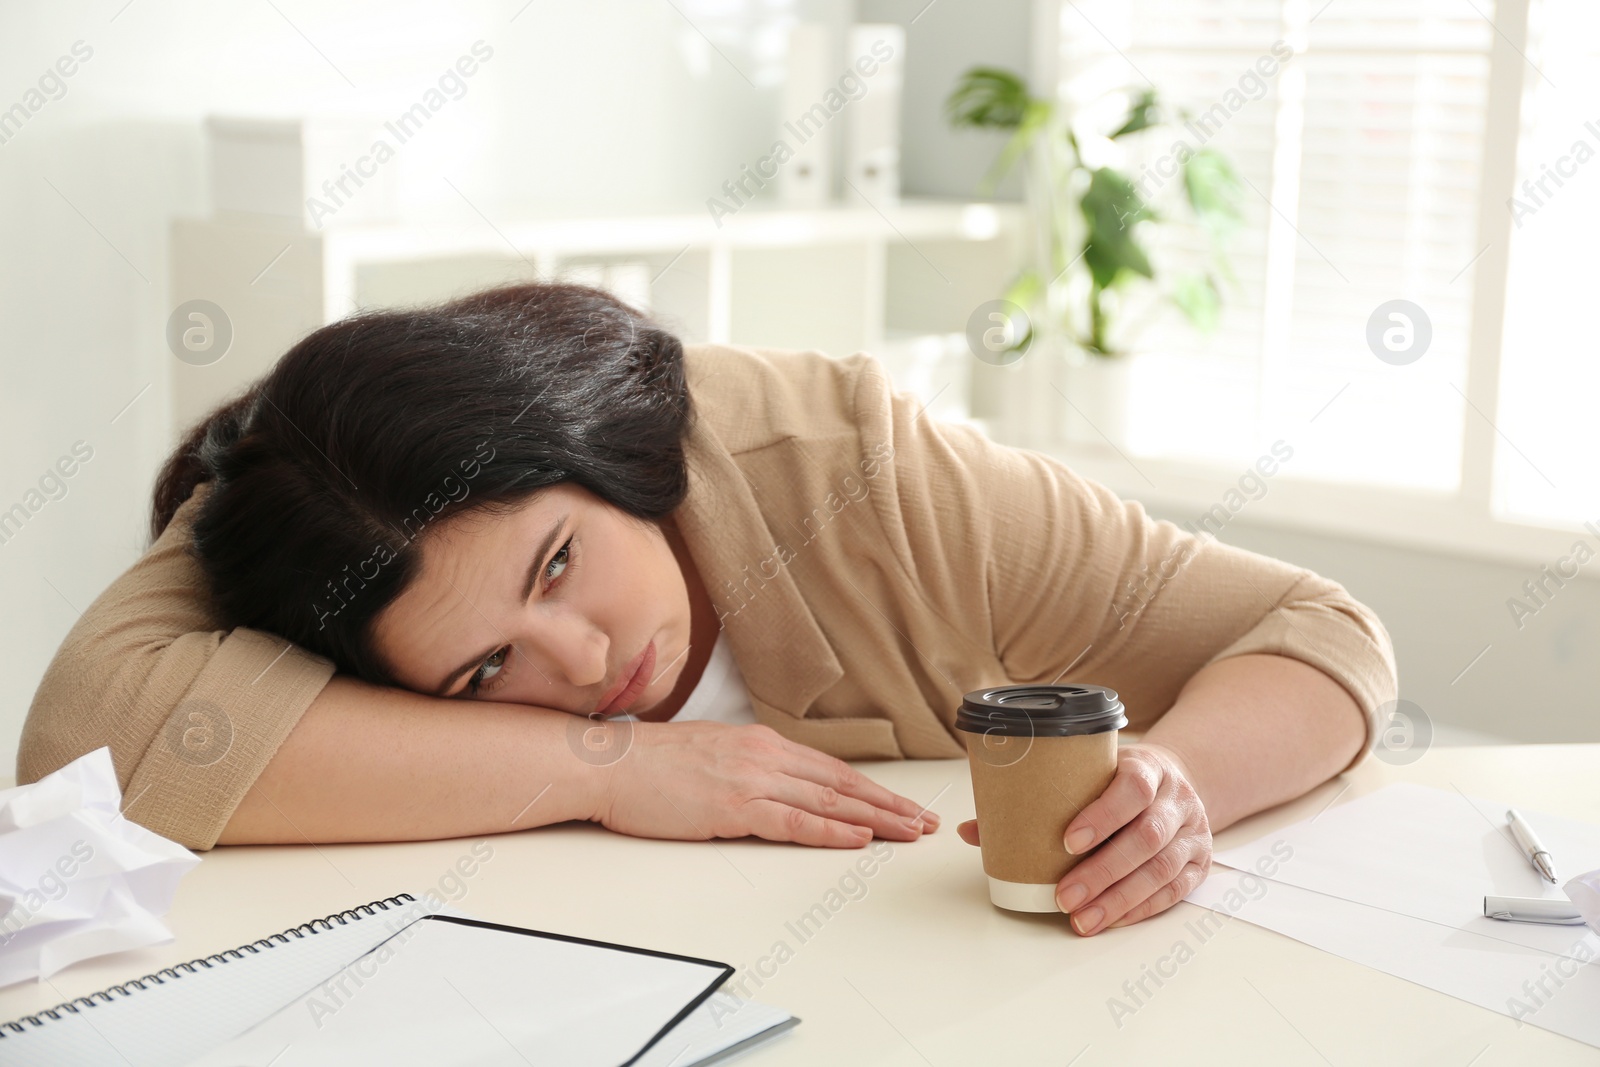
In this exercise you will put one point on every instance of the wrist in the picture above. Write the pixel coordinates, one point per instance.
(1181, 758)
(608, 753)
(570, 768)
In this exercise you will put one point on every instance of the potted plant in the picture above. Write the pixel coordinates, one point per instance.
(1091, 267)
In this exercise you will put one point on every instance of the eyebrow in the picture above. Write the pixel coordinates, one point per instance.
(534, 568)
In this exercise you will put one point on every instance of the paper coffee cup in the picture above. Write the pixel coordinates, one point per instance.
(1039, 755)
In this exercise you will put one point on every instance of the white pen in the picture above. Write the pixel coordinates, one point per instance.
(1537, 854)
(1532, 910)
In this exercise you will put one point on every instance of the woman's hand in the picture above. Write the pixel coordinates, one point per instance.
(1159, 848)
(698, 780)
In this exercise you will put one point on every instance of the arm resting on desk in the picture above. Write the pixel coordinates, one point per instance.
(1304, 728)
(1197, 770)
(367, 763)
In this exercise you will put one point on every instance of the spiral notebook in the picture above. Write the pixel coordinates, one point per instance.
(397, 983)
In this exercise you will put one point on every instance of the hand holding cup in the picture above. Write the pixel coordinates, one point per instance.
(1052, 786)
(1157, 843)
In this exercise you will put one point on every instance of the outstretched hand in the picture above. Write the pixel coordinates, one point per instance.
(696, 780)
(1157, 843)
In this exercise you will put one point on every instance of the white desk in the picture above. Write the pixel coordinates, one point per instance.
(921, 969)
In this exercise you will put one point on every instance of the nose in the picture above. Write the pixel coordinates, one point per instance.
(569, 650)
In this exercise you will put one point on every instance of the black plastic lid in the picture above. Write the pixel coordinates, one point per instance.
(1041, 711)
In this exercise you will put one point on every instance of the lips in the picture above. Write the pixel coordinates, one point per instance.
(635, 677)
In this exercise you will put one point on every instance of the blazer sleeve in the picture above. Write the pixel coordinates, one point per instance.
(1077, 584)
(191, 710)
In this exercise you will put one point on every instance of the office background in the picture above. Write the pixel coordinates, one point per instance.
(1405, 152)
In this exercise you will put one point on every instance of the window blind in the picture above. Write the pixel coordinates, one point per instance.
(1361, 157)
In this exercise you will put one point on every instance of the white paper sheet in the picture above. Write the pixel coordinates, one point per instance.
(1395, 880)
(450, 993)
(1429, 853)
(1558, 992)
(721, 1023)
(77, 878)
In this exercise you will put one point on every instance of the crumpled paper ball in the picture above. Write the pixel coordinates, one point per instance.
(77, 877)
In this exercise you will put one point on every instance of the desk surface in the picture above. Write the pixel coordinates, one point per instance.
(912, 965)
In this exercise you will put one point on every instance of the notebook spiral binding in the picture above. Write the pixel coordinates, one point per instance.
(178, 970)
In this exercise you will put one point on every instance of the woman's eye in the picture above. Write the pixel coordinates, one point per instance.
(558, 563)
(491, 667)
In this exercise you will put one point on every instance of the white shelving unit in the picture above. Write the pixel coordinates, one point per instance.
(840, 279)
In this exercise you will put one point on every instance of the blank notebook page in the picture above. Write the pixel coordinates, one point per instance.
(449, 990)
(190, 1009)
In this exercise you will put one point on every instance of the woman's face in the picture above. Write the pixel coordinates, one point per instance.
(566, 602)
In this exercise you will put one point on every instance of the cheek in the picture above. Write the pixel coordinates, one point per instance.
(628, 581)
(658, 572)
(655, 570)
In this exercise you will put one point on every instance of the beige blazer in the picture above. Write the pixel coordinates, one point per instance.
(869, 564)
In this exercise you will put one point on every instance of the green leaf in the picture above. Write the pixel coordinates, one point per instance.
(988, 98)
(1198, 297)
(1025, 291)
(1113, 207)
(1214, 190)
(1036, 117)
(1144, 113)
(996, 99)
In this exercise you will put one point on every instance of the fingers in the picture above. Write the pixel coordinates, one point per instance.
(968, 831)
(1160, 883)
(836, 774)
(830, 803)
(1149, 865)
(776, 821)
(1131, 791)
(1189, 878)
(1128, 849)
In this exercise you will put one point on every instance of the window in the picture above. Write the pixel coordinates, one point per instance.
(1378, 163)
(1545, 469)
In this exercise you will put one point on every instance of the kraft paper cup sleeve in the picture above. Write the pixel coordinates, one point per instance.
(1027, 786)
(1024, 807)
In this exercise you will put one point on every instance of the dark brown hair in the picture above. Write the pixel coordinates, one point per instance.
(326, 472)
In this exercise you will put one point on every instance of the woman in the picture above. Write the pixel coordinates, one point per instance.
(393, 584)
